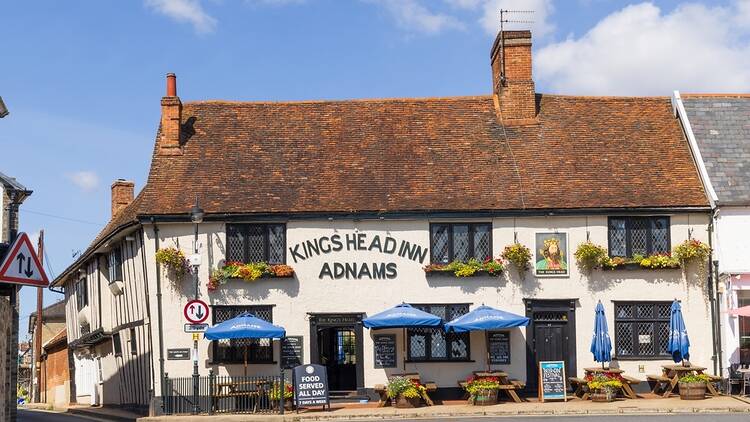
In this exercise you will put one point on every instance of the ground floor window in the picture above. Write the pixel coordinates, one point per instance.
(233, 351)
(434, 344)
(642, 329)
(743, 299)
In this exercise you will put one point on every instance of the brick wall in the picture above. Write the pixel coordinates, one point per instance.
(56, 376)
(4, 368)
(3, 216)
(516, 95)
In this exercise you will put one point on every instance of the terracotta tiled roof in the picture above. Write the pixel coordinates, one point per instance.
(60, 337)
(424, 155)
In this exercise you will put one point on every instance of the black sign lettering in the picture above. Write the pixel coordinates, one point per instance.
(310, 385)
(499, 347)
(385, 350)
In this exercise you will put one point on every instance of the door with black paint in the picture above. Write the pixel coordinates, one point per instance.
(337, 347)
(549, 341)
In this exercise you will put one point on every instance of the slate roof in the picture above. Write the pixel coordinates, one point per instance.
(721, 124)
(52, 313)
(419, 156)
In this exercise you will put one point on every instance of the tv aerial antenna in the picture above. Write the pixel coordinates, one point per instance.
(503, 20)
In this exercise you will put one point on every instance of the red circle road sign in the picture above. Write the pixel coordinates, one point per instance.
(196, 311)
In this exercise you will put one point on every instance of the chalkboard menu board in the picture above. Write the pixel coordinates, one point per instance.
(499, 347)
(385, 350)
(311, 385)
(291, 352)
(552, 381)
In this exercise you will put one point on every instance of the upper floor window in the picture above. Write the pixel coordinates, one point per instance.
(434, 344)
(82, 293)
(114, 263)
(642, 329)
(117, 344)
(259, 350)
(460, 242)
(644, 236)
(256, 243)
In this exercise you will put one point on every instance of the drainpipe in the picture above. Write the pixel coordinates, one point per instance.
(159, 315)
(713, 294)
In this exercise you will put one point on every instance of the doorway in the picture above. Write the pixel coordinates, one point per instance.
(551, 336)
(336, 343)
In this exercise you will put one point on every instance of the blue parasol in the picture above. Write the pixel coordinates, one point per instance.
(485, 318)
(402, 316)
(679, 343)
(601, 344)
(245, 325)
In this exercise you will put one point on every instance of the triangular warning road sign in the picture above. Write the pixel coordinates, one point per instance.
(21, 265)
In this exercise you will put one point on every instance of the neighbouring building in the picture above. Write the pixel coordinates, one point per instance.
(364, 200)
(718, 127)
(55, 388)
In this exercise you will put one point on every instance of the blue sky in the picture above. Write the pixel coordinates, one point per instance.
(83, 79)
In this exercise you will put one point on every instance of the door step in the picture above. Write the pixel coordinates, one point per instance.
(346, 396)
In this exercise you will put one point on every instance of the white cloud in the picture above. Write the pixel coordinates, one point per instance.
(85, 180)
(412, 16)
(190, 11)
(490, 14)
(639, 50)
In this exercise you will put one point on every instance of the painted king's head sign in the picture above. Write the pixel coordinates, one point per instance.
(363, 242)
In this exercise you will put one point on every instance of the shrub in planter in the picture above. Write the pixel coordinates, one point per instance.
(482, 390)
(404, 392)
(590, 255)
(275, 395)
(693, 386)
(604, 386)
(248, 272)
(174, 261)
(493, 267)
(518, 255)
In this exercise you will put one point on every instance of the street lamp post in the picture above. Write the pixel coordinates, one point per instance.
(196, 216)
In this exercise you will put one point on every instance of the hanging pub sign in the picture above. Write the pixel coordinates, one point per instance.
(291, 351)
(310, 386)
(372, 243)
(551, 251)
(499, 347)
(552, 381)
(385, 350)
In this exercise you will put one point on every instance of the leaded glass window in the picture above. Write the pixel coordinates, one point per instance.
(460, 241)
(434, 344)
(642, 329)
(233, 351)
(645, 236)
(256, 243)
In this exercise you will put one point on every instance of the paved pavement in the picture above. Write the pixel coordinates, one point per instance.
(628, 418)
(43, 416)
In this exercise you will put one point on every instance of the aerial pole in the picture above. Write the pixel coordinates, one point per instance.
(38, 330)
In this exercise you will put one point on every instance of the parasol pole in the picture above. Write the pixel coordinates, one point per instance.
(403, 358)
(487, 345)
(245, 360)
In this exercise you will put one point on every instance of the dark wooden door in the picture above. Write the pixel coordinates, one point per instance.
(549, 339)
(338, 352)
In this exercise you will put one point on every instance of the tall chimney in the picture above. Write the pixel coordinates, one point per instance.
(122, 195)
(512, 83)
(171, 118)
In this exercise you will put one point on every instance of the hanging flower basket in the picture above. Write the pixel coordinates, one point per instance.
(248, 272)
(473, 267)
(518, 255)
(693, 251)
(174, 261)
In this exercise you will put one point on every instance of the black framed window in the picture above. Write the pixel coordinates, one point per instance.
(133, 344)
(233, 351)
(117, 344)
(645, 236)
(114, 264)
(82, 293)
(434, 344)
(642, 329)
(460, 241)
(256, 243)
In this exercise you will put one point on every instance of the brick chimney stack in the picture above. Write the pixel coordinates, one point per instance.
(513, 85)
(122, 195)
(171, 118)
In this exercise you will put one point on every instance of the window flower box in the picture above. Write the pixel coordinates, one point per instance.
(471, 268)
(248, 272)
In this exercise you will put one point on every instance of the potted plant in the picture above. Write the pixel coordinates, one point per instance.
(518, 255)
(589, 256)
(693, 386)
(693, 250)
(482, 390)
(288, 395)
(405, 393)
(174, 261)
(603, 387)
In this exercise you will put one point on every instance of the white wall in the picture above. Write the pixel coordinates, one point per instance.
(732, 247)
(306, 293)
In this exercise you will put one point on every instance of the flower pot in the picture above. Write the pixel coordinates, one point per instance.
(692, 390)
(406, 402)
(485, 398)
(603, 396)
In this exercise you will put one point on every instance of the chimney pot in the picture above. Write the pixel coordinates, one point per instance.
(171, 85)
(122, 195)
(512, 82)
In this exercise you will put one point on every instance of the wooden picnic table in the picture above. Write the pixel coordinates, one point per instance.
(670, 378)
(627, 382)
(236, 389)
(507, 385)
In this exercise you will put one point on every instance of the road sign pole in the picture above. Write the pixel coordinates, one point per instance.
(196, 376)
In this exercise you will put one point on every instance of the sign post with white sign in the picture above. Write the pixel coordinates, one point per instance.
(22, 266)
(310, 386)
(195, 311)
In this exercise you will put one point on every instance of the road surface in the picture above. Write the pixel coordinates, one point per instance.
(42, 416)
(695, 417)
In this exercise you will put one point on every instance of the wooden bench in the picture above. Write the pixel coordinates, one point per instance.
(627, 388)
(660, 381)
(580, 387)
